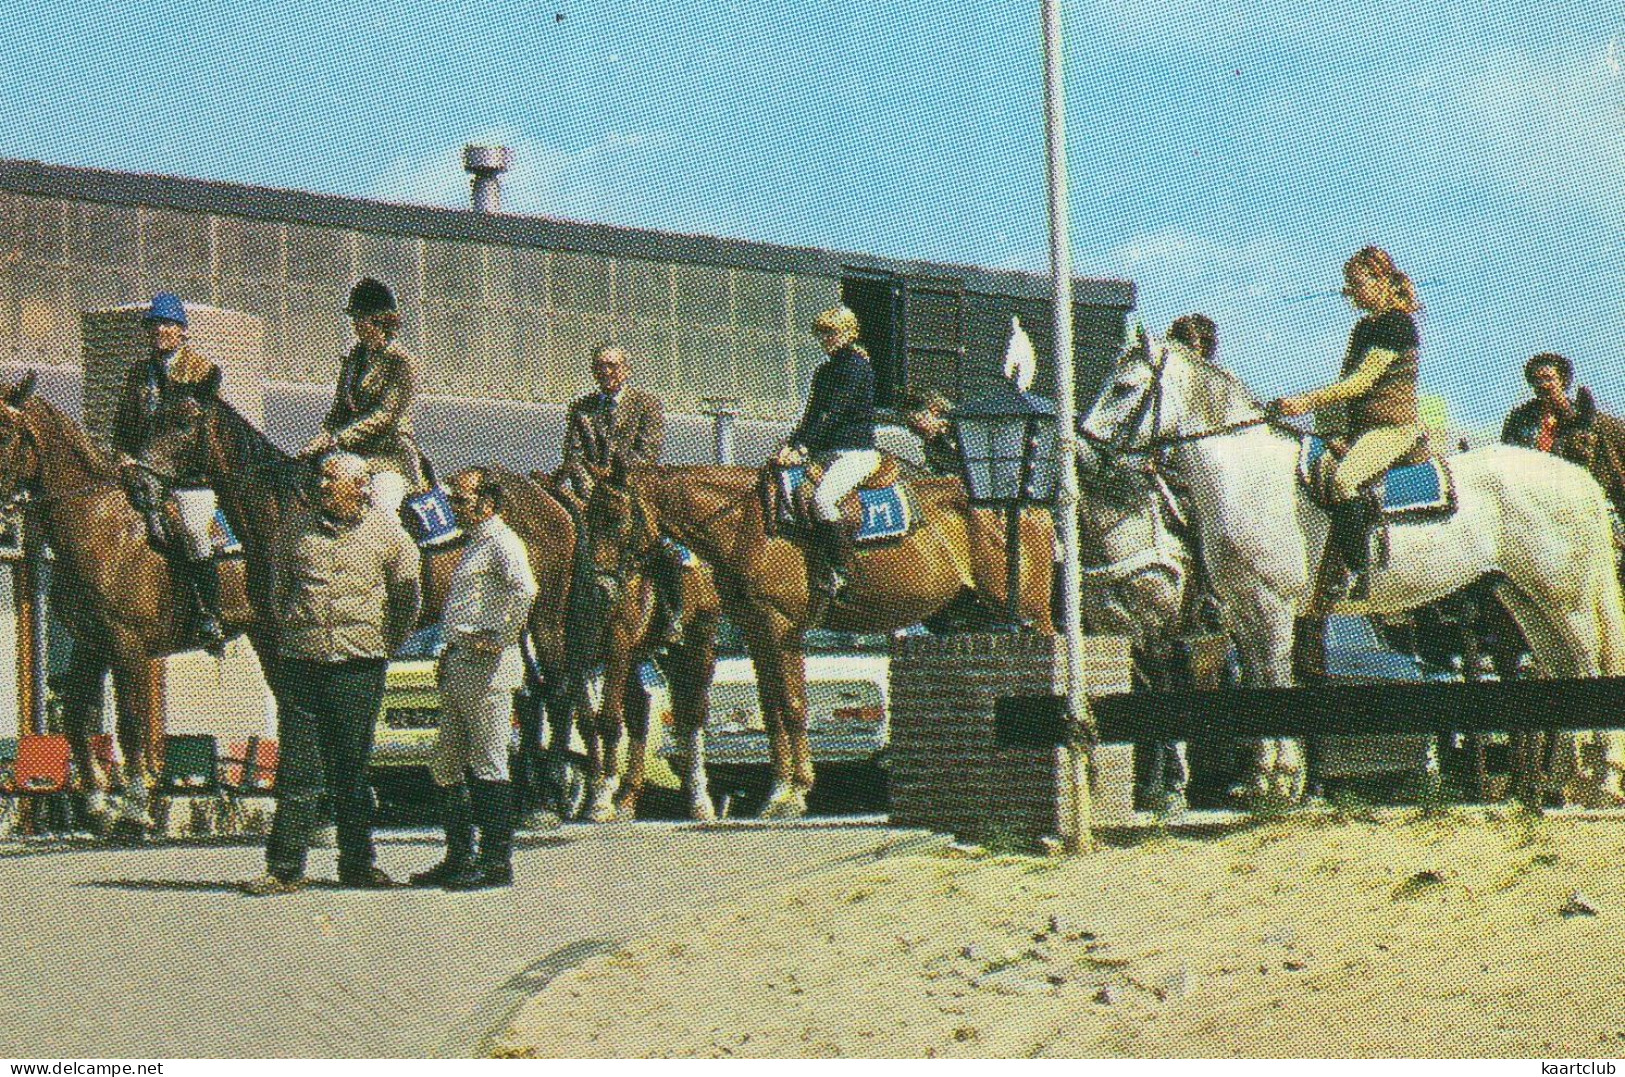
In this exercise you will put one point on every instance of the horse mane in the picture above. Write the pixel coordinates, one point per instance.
(255, 454)
(49, 420)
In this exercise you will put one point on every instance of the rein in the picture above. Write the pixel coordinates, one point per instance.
(1116, 448)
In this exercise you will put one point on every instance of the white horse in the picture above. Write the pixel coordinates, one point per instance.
(1136, 576)
(1529, 519)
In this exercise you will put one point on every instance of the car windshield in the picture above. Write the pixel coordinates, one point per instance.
(731, 643)
(424, 643)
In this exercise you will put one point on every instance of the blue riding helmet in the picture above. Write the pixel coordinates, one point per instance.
(166, 307)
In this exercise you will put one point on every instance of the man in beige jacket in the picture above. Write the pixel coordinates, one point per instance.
(346, 592)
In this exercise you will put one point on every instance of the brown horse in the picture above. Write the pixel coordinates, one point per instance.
(718, 513)
(626, 643)
(256, 482)
(109, 587)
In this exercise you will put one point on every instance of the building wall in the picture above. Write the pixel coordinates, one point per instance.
(485, 319)
(495, 306)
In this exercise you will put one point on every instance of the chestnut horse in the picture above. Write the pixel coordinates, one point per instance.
(109, 587)
(256, 481)
(718, 512)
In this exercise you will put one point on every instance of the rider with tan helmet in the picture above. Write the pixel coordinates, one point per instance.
(1379, 389)
(837, 431)
(372, 404)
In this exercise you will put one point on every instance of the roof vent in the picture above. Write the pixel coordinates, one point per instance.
(486, 164)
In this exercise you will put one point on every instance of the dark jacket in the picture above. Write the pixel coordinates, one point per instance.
(1588, 437)
(148, 387)
(841, 407)
(372, 416)
(635, 434)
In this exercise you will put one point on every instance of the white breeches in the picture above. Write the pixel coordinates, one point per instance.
(842, 474)
(388, 491)
(195, 506)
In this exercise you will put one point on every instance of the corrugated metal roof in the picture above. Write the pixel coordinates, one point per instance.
(333, 211)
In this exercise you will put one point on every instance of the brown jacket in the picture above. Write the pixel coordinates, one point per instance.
(636, 434)
(148, 385)
(343, 591)
(1392, 401)
(372, 415)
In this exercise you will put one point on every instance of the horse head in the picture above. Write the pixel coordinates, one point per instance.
(179, 442)
(619, 529)
(19, 449)
(1161, 394)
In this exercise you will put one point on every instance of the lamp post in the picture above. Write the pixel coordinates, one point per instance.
(1007, 442)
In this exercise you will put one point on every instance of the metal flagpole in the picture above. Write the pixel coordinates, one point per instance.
(1079, 836)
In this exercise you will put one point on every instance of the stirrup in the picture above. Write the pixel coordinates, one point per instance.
(213, 641)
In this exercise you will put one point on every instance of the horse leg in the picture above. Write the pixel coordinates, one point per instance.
(1550, 762)
(83, 697)
(769, 661)
(560, 701)
(1262, 626)
(690, 668)
(794, 718)
(132, 689)
(587, 724)
(635, 708)
(611, 717)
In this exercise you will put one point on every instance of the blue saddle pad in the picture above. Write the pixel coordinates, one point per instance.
(1415, 488)
(1409, 489)
(223, 538)
(429, 519)
(888, 513)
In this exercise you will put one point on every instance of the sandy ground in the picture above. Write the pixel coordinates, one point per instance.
(1339, 936)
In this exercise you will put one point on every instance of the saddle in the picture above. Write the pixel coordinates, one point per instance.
(879, 510)
(1417, 486)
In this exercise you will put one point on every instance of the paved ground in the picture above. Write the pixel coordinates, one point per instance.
(150, 952)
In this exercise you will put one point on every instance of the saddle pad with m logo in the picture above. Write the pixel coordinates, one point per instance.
(429, 520)
(882, 515)
(1424, 489)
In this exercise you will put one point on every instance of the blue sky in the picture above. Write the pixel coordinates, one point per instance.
(1226, 156)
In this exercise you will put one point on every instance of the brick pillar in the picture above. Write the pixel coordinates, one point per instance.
(948, 772)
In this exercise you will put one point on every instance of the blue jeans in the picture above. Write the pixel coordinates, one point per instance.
(325, 727)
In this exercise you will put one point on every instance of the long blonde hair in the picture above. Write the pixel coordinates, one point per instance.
(1399, 291)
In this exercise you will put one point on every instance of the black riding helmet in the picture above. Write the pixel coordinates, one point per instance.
(370, 297)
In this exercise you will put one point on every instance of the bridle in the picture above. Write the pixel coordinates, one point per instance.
(1114, 449)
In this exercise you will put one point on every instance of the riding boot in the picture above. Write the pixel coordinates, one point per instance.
(457, 814)
(667, 577)
(493, 812)
(829, 558)
(205, 580)
(1309, 650)
(1351, 524)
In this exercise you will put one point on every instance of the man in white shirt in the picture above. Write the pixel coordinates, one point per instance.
(487, 607)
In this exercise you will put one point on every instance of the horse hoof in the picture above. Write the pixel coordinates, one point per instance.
(793, 806)
(601, 809)
(541, 820)
(701, 811)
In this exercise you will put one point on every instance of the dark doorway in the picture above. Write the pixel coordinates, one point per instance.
(876, 297)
